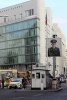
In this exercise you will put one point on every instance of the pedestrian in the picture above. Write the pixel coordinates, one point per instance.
(2, 83)
(24, 82)
(59, 82)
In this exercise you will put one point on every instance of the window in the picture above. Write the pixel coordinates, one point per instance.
(54, 36)
(29, 12)
(21, 15)
(37, 75)
(33, 75)
(42, 75)
(32, 11)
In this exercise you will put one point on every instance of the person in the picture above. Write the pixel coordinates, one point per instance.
(2, 83)
(53, 51)
(59, 82)
(24, 82)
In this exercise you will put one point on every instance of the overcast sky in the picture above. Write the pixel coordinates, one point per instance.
(58, 7)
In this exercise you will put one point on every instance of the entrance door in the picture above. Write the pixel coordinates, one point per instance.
(33, 80)
(38, 80)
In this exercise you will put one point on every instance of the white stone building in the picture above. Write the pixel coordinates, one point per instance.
(22, 35)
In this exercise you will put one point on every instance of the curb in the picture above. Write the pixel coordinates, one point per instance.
(54, 90)
(58, 90)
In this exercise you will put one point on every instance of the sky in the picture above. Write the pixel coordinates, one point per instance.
(59, 13)
(58, 7)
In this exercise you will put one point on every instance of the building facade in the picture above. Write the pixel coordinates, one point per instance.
(23, 31)
(66, 61)
(22, 35)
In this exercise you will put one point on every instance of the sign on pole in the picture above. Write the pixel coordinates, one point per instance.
(53, 47)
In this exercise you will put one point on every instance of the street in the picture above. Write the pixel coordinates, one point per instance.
(16, 94)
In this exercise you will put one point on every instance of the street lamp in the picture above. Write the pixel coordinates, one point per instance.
(4, 17)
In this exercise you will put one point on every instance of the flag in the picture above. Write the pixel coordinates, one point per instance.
(46, 19)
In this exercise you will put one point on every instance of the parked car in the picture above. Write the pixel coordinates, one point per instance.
(15, 83)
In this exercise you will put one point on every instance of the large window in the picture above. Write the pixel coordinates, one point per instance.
(19, 42)
(19, 26)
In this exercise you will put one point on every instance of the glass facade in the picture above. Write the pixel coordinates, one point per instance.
(19, 42)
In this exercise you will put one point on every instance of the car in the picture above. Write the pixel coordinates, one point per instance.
(15, 83)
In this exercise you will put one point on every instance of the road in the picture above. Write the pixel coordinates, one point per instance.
(13, 94)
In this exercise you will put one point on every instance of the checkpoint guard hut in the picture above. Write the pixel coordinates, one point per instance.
(39, 75)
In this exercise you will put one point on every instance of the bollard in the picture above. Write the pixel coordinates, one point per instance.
(41, 86)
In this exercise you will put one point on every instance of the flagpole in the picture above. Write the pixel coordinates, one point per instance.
(47, 37)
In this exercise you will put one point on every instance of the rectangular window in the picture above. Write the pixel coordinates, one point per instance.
(33, 75)
(42, 75)
(32, 11)
(38, 75)
(29, 12)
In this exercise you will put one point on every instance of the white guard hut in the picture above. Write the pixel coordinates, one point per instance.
(39, 75)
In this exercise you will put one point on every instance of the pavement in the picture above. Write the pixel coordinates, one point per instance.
(55, 90)
(28, 88)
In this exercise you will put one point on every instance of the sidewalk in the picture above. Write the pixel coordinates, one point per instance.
(47, 90)
(53, 90)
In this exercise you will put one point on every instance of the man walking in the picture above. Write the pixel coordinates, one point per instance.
(2, 83)
(24, 82)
